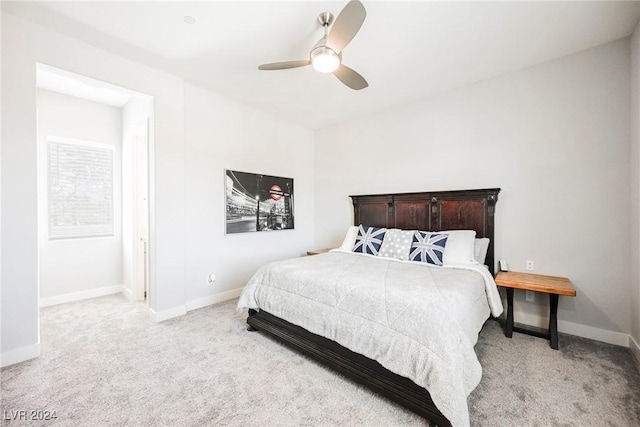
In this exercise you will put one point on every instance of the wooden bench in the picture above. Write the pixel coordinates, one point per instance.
(554, 286)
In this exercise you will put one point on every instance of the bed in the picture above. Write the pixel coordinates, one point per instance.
(372, 334)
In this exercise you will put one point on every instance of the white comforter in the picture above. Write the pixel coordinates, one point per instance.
(418, 321)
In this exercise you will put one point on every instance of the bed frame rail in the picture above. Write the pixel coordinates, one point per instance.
(353, 365)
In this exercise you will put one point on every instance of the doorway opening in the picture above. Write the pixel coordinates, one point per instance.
(94, 141)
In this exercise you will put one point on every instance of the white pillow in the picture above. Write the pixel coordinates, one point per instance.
(349, 238)
(480, 250)
(460, 247)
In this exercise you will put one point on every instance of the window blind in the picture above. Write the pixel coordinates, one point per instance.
(80, 189)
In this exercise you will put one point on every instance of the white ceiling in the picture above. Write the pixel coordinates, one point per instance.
(406, 50)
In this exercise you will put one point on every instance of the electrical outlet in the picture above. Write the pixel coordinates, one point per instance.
(530, 265)
(530, 296)
(212, 278)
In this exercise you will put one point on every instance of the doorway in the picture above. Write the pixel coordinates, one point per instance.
(94, 141)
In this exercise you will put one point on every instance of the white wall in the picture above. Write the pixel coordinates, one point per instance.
(222, 135)
(23, 45)
(77, 265)
(635, 195)
(554, 137)
(19, 205)
(1, 222)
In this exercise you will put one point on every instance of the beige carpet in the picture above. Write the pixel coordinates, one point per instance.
(104, 363)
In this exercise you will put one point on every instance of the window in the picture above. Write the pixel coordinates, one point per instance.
(80, 188)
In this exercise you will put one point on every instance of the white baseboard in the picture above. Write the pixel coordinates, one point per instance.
(77, 296)
(213, 299)
(127, 293)
(161, 316)
(603, 335)
(18, 355)
(635, 347)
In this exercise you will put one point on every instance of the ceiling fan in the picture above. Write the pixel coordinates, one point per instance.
(326, 54)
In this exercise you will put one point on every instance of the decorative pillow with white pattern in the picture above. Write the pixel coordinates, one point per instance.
(428, 247)
(369, 240)
(396, 244)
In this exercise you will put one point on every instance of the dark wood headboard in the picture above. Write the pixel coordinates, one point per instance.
(432, 211)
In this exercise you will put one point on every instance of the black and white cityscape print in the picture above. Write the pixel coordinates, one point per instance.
(258, 202)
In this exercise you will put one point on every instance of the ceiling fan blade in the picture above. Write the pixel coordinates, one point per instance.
(350, 78)
(284, 65)
(346, 25)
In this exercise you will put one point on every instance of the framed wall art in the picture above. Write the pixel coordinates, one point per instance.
(257, 202)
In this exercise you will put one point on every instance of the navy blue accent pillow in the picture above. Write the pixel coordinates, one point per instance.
(369, 240)
(428, 247)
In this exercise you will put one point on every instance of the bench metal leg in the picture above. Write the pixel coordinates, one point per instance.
(509, 329)
(553, 320)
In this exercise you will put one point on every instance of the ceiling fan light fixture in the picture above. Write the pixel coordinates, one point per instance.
(324, 59)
